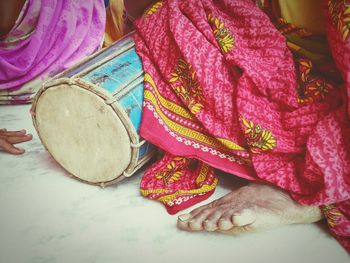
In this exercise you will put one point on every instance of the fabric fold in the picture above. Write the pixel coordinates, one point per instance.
(232, 87)
(49, 36)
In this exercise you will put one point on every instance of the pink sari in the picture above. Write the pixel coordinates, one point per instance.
(223, 90)
(48, 37)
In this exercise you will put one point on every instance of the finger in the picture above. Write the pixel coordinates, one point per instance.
(19, 139)
(7, 147)
(12, 133)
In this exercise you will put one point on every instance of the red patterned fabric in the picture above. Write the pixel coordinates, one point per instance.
(223, 89)
(338, 175)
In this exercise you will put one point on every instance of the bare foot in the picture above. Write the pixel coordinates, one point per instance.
(251, 208)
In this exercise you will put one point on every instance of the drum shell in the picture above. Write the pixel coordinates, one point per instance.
(93, 76)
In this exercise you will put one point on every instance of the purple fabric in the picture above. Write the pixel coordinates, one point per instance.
(49, 36)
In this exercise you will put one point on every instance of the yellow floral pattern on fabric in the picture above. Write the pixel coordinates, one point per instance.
(311, 88)
(153, 9)
(187, 132)
(320, 88)
(169, 105)
(331, 214)
(340, 14)
(158, 101)
(257, 138)
(170, 196)
(222, 34)
(185, 84)
(172, 172)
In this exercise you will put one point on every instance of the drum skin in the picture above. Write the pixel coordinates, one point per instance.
(88, 117)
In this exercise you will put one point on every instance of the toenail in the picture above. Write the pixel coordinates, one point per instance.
(184, 217)
(246, 217)
(222, 221)
(225, 225)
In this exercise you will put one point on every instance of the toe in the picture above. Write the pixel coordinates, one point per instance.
(185, 217)
(243, 218)
(197, 221)
(233, 220)
(209, 226)
(183, 220)
(211, 223)
(195, 225)
(194, 220)
(225, 224)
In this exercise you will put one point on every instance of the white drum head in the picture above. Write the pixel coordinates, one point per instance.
(82, 133)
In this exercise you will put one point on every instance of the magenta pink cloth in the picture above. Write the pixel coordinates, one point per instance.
(221, 88)
(49, 36)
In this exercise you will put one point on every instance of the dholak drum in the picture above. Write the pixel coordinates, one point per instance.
(88, 117)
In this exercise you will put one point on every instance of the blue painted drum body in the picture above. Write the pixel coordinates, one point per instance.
(98, 106)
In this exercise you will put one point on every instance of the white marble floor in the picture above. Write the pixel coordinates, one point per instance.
(48, 217)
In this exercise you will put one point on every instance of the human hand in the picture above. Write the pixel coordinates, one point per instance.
(9, 138)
